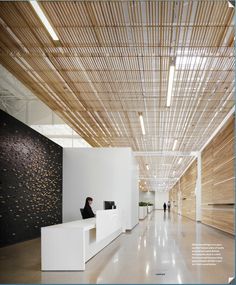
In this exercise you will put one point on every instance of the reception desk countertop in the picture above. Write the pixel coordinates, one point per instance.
(86, 224)
(68, 246)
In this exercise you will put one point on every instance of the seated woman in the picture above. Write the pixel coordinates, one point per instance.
(88, 212)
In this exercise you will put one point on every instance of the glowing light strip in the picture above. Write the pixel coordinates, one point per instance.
(142, 124)
(44, 19)
(175, 144)
(170, 84)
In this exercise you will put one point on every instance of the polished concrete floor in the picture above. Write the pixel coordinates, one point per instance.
(158, 250)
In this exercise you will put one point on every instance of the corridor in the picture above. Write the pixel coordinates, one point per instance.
(158, 250)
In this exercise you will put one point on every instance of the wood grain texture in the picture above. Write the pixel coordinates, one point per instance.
(217, 199)
(218, 180)
(173, 198)
(187, 188)
(112, 62)
(182, 195)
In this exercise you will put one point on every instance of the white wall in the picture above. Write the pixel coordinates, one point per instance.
(134, 217)
(160, 198)
(148, 196)
(103, 174)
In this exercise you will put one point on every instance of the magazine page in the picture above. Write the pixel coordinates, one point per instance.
(117, 141)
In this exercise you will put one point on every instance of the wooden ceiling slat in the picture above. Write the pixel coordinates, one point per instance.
(112, 62)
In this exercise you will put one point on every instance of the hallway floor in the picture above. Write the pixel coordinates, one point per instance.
(158, 250)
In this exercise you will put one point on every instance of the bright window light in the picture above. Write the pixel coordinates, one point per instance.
(54, 130)
(61, 134)
(230, 4)
(170, 84)
(147, 166)
(43, 19)
(142, 124)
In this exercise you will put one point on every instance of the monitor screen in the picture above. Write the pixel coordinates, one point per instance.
(108, 205)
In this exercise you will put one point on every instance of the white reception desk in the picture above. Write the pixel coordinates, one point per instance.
(69, 246)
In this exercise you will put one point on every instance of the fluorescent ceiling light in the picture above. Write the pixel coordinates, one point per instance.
(44, 20)
(170, 84)
(142, 124)
(175, 144)
(190, 61)
(180, 160)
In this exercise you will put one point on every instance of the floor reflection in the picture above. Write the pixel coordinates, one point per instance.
(158, 250)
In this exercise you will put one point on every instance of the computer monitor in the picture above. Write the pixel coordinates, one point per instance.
(108, 205)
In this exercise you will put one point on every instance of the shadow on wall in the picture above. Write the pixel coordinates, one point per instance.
(30, 181)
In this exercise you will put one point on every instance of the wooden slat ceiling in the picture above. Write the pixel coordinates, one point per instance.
(112, 62)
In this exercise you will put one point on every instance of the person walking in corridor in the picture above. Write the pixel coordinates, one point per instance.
(168, 205)
(164, 207)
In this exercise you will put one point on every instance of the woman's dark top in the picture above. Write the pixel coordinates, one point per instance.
(88, 212)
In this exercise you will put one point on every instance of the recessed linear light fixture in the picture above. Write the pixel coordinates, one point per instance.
(142, 123)
(180, 160)
(170, 82)
(44, 19)
(175, 144)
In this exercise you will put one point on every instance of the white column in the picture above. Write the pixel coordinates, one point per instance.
(179, 196)
(198, 190)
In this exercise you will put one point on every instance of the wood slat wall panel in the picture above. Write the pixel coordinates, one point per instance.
(218, 180)
(173, 198)
(185, 188)
(223, 220)
(206, 216)
(227, 188)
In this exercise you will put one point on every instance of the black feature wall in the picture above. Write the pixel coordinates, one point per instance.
(30, 181)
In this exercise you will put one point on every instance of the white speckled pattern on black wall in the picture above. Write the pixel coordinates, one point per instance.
(30, 181)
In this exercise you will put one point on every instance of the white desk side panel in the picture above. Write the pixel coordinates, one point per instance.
(107, 222)
(62, 249)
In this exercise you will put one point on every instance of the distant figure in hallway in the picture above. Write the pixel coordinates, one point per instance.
(168, 205)
(88, 212)
(164, 207)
